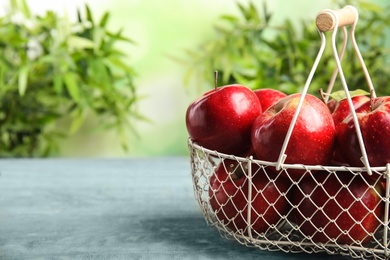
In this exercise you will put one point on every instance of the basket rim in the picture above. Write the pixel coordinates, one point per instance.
(194, 145)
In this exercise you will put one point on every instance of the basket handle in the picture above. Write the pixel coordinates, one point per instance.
(348, 15)
(328, 19)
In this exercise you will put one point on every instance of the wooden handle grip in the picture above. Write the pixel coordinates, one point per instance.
(326, 20)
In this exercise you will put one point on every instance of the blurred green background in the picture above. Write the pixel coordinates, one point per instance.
(161, 29)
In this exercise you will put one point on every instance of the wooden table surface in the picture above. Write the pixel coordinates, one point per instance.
(135, 208)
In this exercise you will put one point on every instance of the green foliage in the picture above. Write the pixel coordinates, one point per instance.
(250, 50)
(53, 70)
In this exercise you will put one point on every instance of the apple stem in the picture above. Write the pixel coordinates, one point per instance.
(322, 95)
(215, 79)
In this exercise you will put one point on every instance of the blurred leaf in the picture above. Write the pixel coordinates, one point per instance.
(89, 14)
(71, 84)
(103, 21)
(76, 69)
(114, 61)
(24, 8)
(267, 16)
(281, 55)
(118, 36)
(23, 80)
(371, 7)
(98, 71)
(79, 18)
(57, 80)
(230, 18)
(78, 119)
(80, 43)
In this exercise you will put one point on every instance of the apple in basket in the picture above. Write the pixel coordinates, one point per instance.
(338, 207)
(222, 119)
(341, 111)
(268, 97)
(339, 100)
(229, 195)
(374, 122)
(332, 104)
(312, 139)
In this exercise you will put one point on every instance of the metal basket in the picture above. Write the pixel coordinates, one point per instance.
(276, 222)
(285, 234)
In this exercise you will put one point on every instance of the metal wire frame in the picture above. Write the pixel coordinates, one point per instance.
(286, 235)
(339, 70)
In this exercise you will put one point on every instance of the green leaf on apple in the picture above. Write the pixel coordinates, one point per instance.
(340, 95)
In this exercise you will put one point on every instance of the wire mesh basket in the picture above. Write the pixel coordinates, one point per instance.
(333, 209)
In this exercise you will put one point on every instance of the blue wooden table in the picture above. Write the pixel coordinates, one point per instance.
(109, 209)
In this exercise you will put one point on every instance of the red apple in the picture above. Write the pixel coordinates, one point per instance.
(341, 111)
(332, 104)
(338, 207)
(229, 188)
(222, 119)
(374, 122)
(268, 97)
(312, 139)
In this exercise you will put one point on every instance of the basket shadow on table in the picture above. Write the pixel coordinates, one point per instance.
(191, 233)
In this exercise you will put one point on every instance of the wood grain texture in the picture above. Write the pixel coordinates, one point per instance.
(327, 20)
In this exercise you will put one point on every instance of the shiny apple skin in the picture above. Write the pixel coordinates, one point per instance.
(222, 119)
(341, 111)
(268, 97)
(312, 140)
(374, 122)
